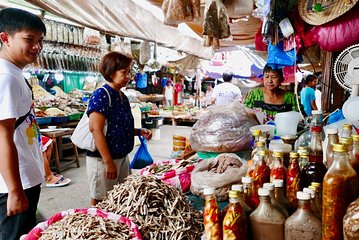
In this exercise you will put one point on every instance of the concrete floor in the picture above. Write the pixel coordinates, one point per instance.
(76, 194)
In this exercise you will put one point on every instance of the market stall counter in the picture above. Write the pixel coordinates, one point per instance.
(57, 135)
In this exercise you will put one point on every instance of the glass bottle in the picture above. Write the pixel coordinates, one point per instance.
(261, 173)
(256, 134)
(340, 188)
(211, 216)
(246, 208)
(303, 224)
(266, 221)
(347, 130)
(234, 222)
(318, 196)
(303, 149)
(315, 170)
(303, 160)
(355, 163)
(349, 143)
(293, 179)
(274, 201)
(332, 139)
(277, 170)
(317, 118)
(250, 197)
(313, 203)
(260, 145)
(280, 196)
(255, 158)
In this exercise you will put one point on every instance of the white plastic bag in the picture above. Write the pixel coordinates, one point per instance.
(82, 137)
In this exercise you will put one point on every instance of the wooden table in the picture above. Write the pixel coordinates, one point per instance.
(56, 137)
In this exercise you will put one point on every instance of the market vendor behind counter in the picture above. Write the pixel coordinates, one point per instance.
(270, 99)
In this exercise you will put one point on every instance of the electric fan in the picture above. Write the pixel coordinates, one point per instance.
(346, 73)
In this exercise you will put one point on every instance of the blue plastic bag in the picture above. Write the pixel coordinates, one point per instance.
(142, 157)
(278, 58)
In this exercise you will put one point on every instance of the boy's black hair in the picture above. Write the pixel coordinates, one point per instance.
(13, 20)
(310, 78)
(268, 68)
(227, 76)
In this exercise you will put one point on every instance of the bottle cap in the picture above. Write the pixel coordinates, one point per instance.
(278, 183)
(316, 184)
(347, 127)
(246, 180)
(294, 155)
(355, 137)
(261, 144)
(304, 155)
(263, 192)
(233, 194)
(317, 112)
(269, 186)
(209, 191)
(346, 141)
(256, 132)
(310, 191)
(303, 196)
(340, 148)
(278, 154)
(303, 148)
(313, 188)
(262, 153)
(237, 187)
(332, 131)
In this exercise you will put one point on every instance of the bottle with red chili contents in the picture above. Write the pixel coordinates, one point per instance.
(211, 216)
(261, 173)
(250, 197)
(274, 201)
(332, 139)
(315, 170)
(340, 188)
(355, 163)
(303, 224)
(293, 179)
(280, 196)
(266, 222)
(234, 222)
(277, 170)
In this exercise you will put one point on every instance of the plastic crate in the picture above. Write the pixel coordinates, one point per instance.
(75, 116)
(43, 120)
(62, 119)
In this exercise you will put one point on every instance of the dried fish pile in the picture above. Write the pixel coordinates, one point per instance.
(160, 210)
(84, 226)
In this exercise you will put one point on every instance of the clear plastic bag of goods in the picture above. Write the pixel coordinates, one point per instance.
(223, 129)
(220, 172)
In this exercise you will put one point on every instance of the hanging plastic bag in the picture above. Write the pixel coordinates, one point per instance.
(278, 57)
(142, 157)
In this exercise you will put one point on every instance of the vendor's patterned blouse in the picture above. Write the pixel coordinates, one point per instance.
(255, 100)
(120, 123)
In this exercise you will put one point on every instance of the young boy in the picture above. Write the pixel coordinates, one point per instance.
(21, 166)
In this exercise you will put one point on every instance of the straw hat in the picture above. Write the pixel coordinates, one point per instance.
(336, 9)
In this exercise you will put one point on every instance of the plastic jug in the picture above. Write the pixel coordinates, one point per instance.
(287, 123)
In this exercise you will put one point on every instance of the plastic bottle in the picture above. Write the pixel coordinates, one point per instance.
(261, 173)
(332, 139)
(313, 203)
(211, 216)
(234, 222)
(277, 169)
(280, 196)
(274, 201)
(355, 163)
(266, 221)
(315, 170)
(340, 188)
(293, 179)
(250, 197)
(303, 224)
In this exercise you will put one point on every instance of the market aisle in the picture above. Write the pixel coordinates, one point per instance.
(75, 195)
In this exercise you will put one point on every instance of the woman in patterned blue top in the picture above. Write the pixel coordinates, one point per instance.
(109, 165)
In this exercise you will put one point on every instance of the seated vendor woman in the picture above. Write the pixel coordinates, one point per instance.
(271, 99)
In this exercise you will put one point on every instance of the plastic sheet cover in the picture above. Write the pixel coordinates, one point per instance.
(124, 18)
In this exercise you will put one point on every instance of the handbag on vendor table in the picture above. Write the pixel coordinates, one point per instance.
(82, 137)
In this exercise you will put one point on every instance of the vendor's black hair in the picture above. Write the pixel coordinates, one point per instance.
(13, 20)
(268, 68)
(113, 62)
(310, 78)
(227, 76)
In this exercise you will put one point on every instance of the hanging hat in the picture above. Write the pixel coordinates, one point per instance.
(315, 14)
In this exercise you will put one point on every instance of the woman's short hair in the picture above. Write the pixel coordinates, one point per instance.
(268, 68)
(113, 62)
